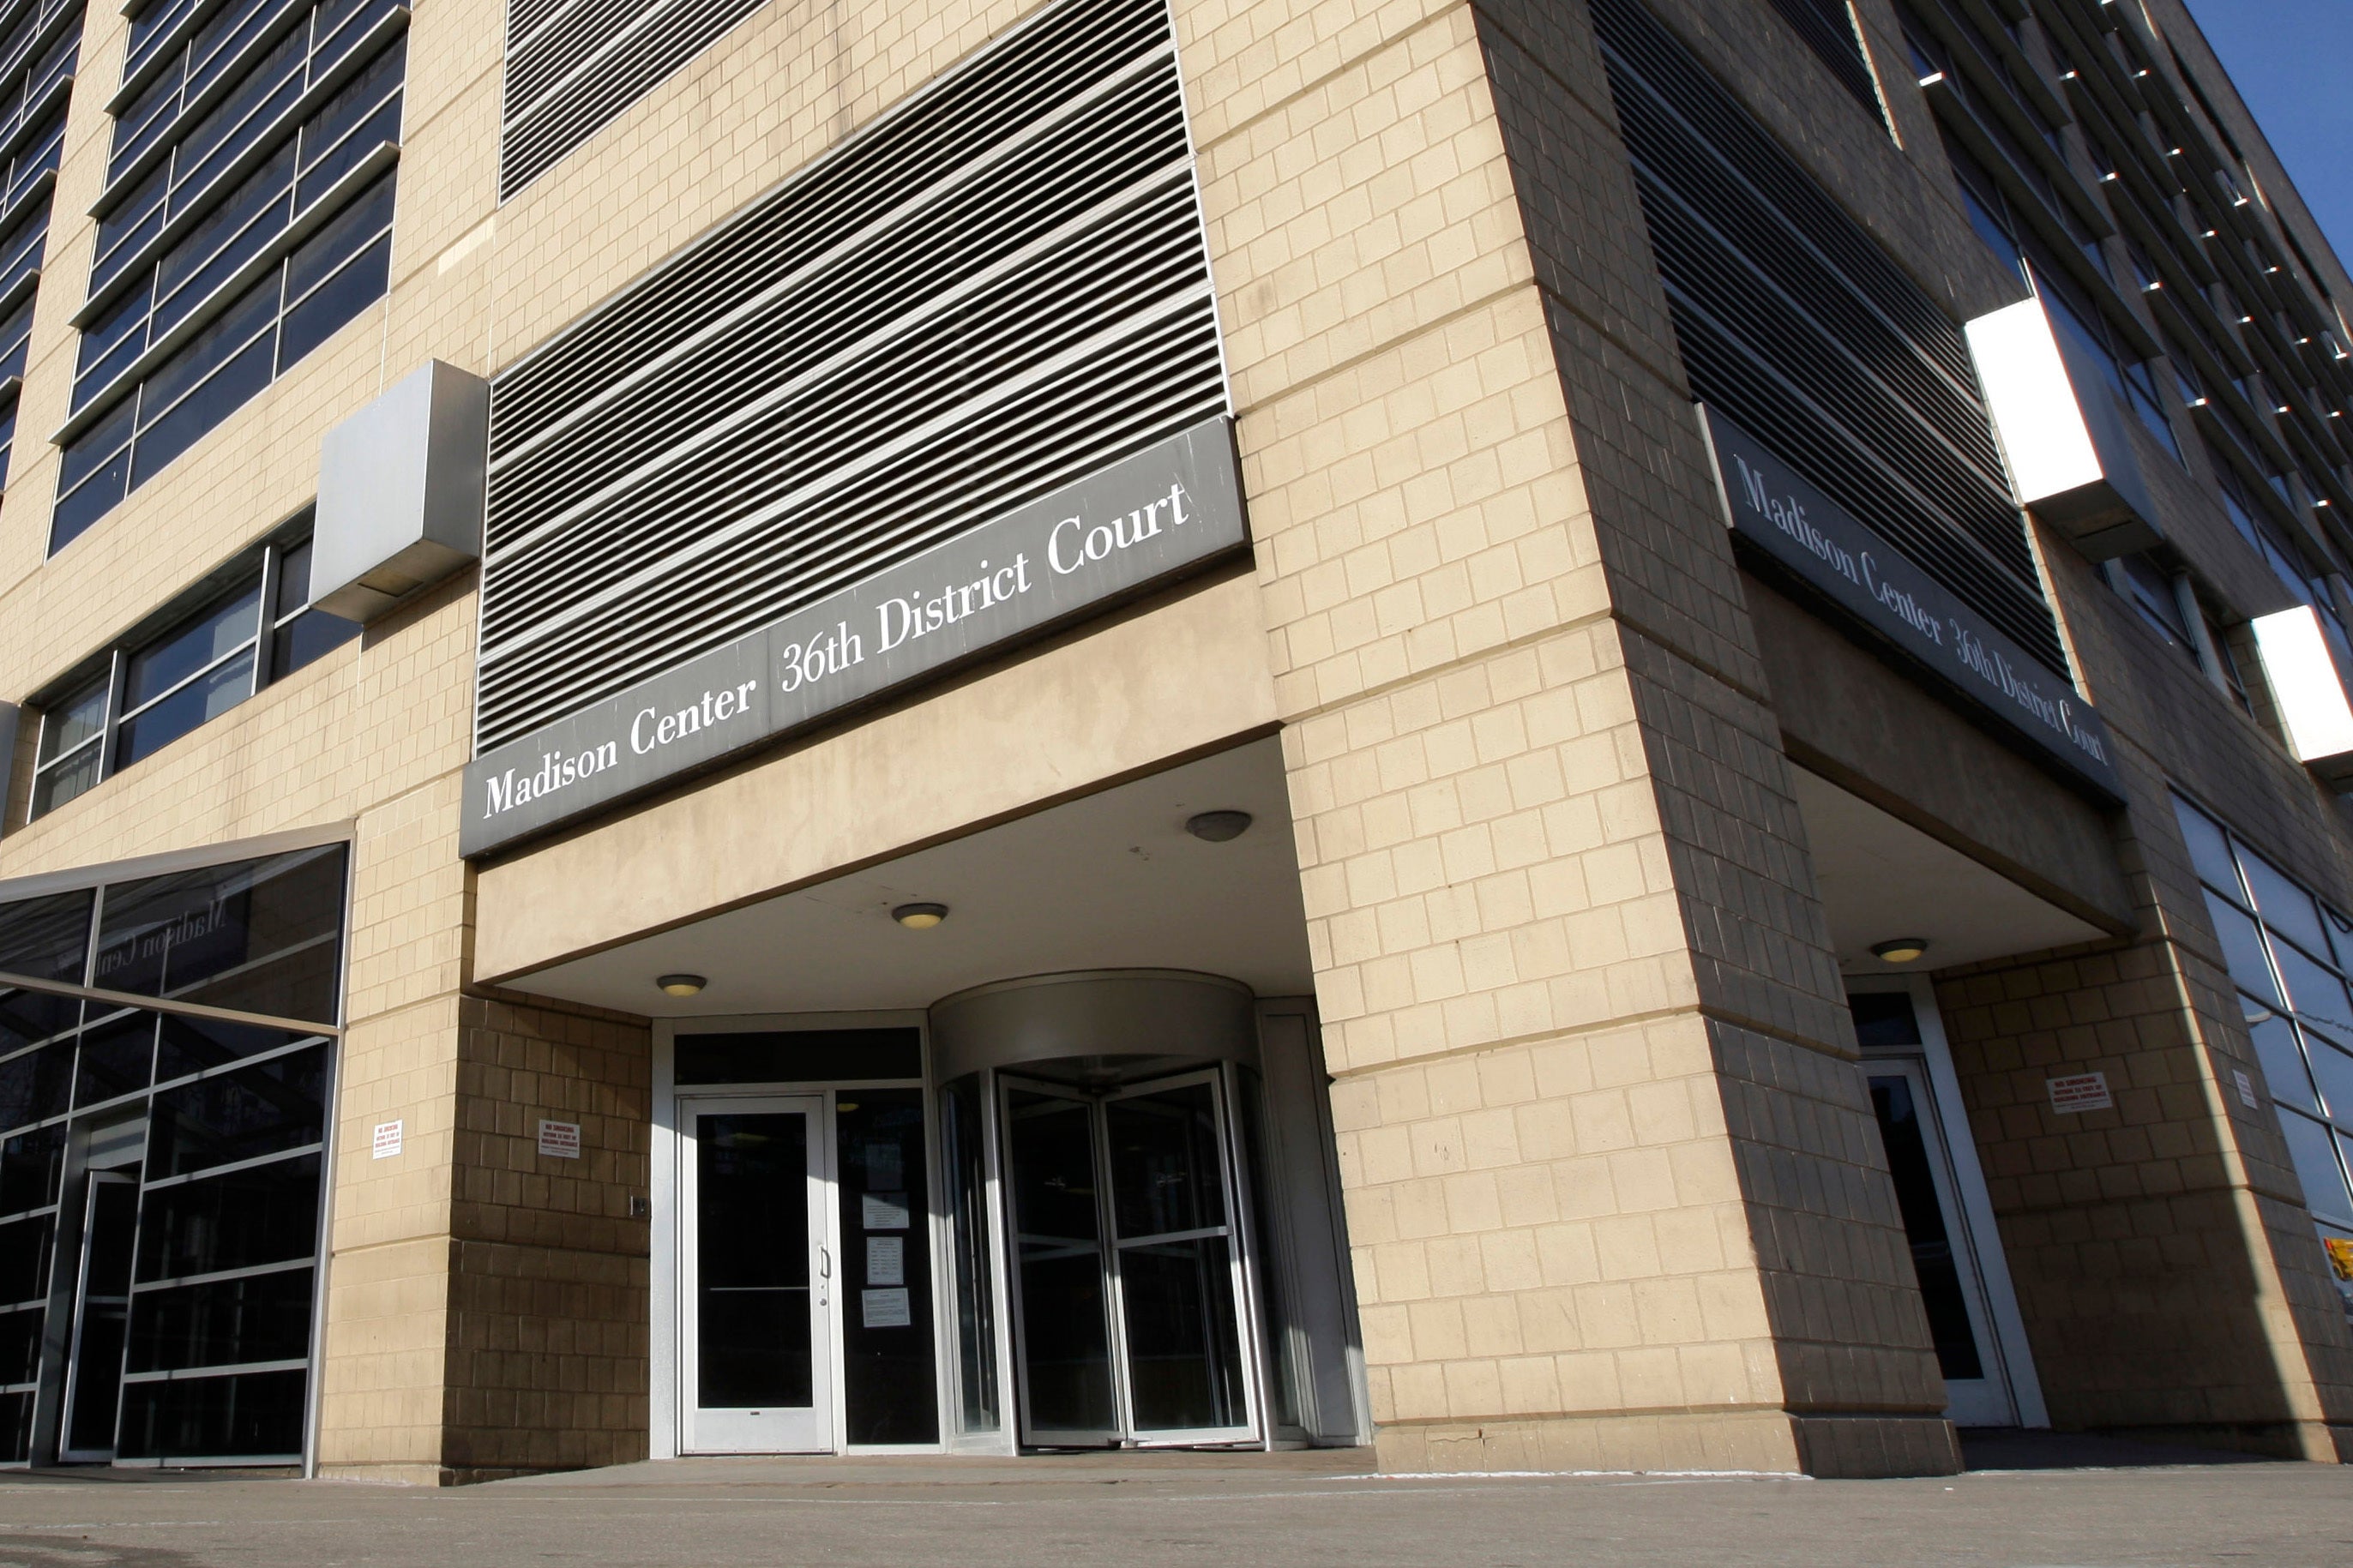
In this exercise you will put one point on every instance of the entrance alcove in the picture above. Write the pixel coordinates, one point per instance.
(1060, 1159)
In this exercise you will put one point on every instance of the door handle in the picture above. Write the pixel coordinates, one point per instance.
(823, 1274)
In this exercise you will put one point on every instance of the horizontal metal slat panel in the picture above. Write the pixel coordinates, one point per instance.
(647, 43)
(994, 291)
(981, 105)
(1793, 321)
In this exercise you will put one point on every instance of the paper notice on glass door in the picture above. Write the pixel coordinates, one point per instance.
(886, 1261)
(883, 1211)
(886, 1308)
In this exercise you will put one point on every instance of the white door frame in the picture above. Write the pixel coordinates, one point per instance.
(1981, 1238)
(718, 1431)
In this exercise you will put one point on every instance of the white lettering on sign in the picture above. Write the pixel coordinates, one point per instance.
(561, 1139)
(651, 730)
(387, 1139)
(2080, 1091)
(920, 615)
(1135, 523)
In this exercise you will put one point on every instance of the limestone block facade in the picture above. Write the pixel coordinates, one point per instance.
(1740, 1044)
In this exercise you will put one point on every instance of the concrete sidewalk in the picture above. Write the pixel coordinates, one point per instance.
(1288, 1509)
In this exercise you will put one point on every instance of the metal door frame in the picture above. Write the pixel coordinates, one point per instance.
(825, 1326)
(109, 1176)
(1981, 1238)
(1233, 1175)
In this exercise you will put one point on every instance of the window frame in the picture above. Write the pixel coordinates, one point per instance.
(260, 572)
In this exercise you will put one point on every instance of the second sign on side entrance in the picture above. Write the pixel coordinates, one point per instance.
(1142, 520)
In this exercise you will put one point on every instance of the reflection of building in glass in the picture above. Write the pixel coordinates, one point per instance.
(162, 1165)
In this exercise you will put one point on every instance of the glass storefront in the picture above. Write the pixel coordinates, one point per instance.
(167, 1049)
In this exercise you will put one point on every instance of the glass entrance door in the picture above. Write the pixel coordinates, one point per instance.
(1128, 1287)
(758, 1278)
(1950, 1286)
(102, 1303)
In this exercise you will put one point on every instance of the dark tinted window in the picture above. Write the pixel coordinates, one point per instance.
(263, 1110)
(42, 938)
(800, 1056)
(259, 936)
(118, 1057)
(259, 1413)
(1883, 1018)
(886, 1322)
(268, 1213)
(35, 1084)
(262, 1317)
(29, 1166)
(24, 1262)
(192, 1045)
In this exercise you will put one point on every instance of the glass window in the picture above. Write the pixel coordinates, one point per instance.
(259, 936)
(239, 1219)
(265, 1109)
(205, 183)
(2303, 1042)
(204, 665)
(2151, 592)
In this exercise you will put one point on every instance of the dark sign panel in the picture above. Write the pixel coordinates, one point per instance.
(1814, 539)
(1142, 520)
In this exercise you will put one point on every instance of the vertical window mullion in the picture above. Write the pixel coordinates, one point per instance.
(265, 617)
(117, 673)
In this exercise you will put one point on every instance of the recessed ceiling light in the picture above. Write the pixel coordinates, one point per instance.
(1217, 827)
(920, 917)
(682, 984)
(1899, 950)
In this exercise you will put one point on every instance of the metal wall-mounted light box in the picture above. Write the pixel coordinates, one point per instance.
(2308, 686)
(400, 492)
(2064, 430)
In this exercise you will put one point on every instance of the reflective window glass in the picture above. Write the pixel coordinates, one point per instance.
(192, 1045)
(2209, 851)
(265, 1108)
(30, 1164)
(2332, 1070)
(189, 647)
(256, 1317)
(257, 936)
(2314, 1152)
(42, 938)
(35, 1085)
(73, 718)
(2314, 992)
(2243, 949)
(2282, 1059)
(256, 1415)
(239, 1219)
(24, 1261)
(2286, 907)
(117, 1057)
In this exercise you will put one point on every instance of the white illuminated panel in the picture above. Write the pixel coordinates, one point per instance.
(2062, 432)
(2309, 690)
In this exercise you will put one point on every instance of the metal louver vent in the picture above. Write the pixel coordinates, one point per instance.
(994, 290)
(572, 65)
(1793, 321)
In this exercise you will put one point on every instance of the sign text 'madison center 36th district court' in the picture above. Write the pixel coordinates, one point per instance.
(1144, 520)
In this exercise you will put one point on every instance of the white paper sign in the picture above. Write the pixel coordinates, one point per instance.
(886, 1261)
(387, 1139)
(561, 1139)
(886, 1308)
(2246, 1089)
(884, 1211)
(2080, 1091)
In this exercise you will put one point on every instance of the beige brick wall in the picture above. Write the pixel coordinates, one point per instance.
(1608, 1164)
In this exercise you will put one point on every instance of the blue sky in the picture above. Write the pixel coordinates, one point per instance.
(2292, 59)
